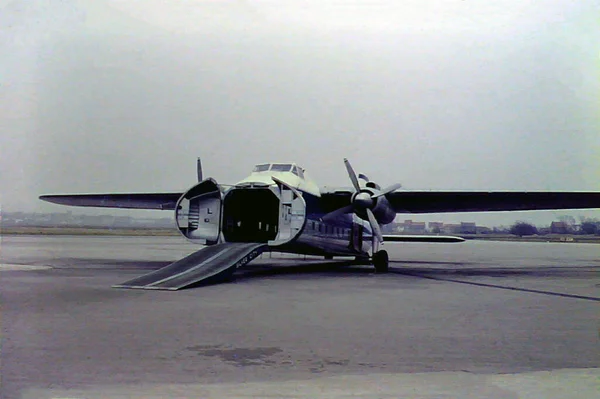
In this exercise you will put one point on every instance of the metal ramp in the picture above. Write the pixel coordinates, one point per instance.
(210, 262)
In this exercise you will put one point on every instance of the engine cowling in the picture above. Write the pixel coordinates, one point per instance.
(383, 211)
(368, 203)
(380, 206)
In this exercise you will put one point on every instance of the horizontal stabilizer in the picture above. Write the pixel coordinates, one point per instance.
(210, 262)
(421, 238)
(159, 201)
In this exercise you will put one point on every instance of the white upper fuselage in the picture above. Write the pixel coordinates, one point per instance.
(290, 173)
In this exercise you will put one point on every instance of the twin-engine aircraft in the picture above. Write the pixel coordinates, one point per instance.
(279, 208)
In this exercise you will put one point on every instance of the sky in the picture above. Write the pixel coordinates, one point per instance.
(123, 95)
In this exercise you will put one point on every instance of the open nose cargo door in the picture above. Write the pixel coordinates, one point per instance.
(292, 214)
(198, 212)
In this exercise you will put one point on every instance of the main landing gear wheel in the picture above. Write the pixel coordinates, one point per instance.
(381, 261)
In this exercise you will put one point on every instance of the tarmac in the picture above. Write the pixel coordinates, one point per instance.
(470, 320)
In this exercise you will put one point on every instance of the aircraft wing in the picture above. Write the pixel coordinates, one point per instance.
(160, 201)
(465, 201)
(472, 201)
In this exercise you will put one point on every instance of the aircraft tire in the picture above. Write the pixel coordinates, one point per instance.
(381, 261)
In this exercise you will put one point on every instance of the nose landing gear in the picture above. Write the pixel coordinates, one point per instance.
(380, 260)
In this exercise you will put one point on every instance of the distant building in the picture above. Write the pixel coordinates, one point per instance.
(436, 227)
(559, 228)
(468, 228)
(414, 227)
(391, 228)
(483, 230)
(451, 228)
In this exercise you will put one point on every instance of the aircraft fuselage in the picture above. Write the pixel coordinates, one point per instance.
(286, 216)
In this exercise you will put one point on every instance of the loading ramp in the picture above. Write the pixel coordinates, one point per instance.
(210, 262)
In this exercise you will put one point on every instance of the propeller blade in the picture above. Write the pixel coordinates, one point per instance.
(374, 225)
(388, 190)
(337, 212)
(199, 169)
(352, 175)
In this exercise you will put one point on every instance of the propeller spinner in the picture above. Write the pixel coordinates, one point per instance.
(363, 201)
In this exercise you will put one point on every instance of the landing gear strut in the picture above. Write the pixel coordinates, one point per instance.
(381, 261)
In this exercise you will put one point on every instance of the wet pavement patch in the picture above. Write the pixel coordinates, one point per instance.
(238, 356)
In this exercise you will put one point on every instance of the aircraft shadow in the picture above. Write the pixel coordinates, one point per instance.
(354, 269)
(494, 271)
(272, 269)
(340, 269)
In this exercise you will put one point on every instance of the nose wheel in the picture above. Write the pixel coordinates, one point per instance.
(381, 262)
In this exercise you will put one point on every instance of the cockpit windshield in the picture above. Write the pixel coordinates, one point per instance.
(281, 167)
(261, 168)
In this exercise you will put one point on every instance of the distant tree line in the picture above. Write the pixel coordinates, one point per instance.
(588, 226)
(523, 229)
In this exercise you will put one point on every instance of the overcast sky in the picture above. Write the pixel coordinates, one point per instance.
(123, 95)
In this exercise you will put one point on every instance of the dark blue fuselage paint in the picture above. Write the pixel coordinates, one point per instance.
(346, 235)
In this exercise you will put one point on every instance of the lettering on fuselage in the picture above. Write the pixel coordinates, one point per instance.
(246, 259)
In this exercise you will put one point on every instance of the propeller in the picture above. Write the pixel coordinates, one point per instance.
(199, 169)
(363, 200)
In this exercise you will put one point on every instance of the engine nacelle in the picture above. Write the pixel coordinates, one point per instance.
(380, 206)
(383, 211)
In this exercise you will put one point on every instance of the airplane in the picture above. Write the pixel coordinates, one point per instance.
(278, 207)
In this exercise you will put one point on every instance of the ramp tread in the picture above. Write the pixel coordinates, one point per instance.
(206, 263)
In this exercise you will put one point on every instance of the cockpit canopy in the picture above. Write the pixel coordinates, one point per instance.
(280, 167)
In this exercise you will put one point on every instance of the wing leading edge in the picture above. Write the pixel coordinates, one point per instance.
(159, 201)
(401, 201)
(449, 201)
(474, 201)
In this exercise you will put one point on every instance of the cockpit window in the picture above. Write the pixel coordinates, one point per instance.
(261, 168)
(298, 172)
(278, 167)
